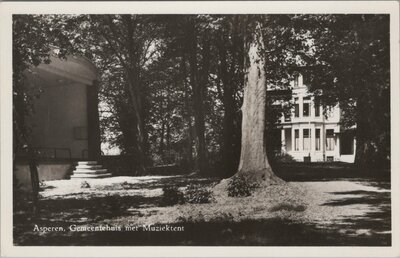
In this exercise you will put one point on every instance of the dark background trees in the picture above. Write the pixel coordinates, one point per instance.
(172, 86)
(351, 65)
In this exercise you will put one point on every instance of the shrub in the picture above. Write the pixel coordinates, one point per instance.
(198, 194)
(239, 186)
(283, 158)
(171, 195)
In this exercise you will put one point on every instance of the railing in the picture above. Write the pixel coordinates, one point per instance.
(52, 153)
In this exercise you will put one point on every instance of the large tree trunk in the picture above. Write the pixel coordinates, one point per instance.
(253, 158)
(188, 116)
(21, 136)
(228, 104)
(364, 144)
(135, 99)
(161, 148)
(198, 98)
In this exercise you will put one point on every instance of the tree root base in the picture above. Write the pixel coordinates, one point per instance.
(263, 177)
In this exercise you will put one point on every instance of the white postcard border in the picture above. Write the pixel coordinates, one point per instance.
(223, 7)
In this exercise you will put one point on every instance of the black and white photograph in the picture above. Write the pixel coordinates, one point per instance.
(202, 129)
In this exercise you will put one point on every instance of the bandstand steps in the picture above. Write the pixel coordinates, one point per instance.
(89, 169)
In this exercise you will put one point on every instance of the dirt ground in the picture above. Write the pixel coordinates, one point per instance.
(336, 212)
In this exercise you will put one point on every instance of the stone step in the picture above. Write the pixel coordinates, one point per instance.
(87, 162)
(90, 171)
(89, 167)
(91, 175)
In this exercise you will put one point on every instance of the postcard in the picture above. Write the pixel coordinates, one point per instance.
(200, 129)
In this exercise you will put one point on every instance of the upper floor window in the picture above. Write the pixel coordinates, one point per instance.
(296, 110)
(296, 107)
(287, 117)
(296, 80)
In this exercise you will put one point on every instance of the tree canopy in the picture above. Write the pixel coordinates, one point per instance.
(172, 86)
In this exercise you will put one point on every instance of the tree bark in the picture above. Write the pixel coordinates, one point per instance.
(198, 98)
(135, 96)
(161, 148)
(21, 134)
(228, 104)
(364, 144)
(188, 117)
(254, 164)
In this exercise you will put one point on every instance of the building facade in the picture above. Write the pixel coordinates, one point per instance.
(65, 123)
(310, 135)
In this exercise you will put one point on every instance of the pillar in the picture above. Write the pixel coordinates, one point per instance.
(283, 141)
(93, 127)
(312, 142)
(293, 139)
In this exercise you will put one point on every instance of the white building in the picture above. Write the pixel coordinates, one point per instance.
(309, 135)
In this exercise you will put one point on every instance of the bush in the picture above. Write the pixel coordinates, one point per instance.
(283, 158)
(198, 194)
(239, 186)
(172, 195)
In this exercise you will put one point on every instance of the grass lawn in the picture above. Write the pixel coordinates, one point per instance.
(338, 211)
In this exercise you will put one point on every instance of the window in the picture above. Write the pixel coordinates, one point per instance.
(317, 109)
(288, 139)
(306, 139)
(296, 140)
(296, 80)
(296, 110)
(317, 139)
(296, 107)
(287, 117)
(306, 109)
(330, 140)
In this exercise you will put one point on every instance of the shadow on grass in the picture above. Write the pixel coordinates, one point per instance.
(179, 181)
(371, 229)
(374, 224)
(377, 199)
(302, 172)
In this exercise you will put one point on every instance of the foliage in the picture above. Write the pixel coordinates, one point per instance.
(198, 194)
(240, 186)
(34, 43)
(283, 158)
(351, 65)
(161, 86)
(172, 195)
